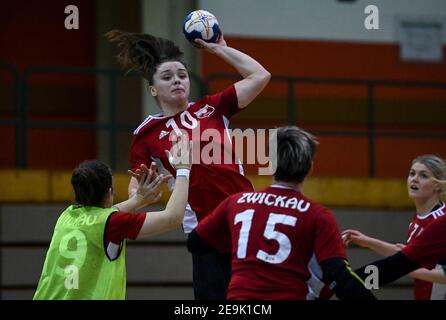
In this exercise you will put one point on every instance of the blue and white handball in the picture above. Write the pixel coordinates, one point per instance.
(201, 24)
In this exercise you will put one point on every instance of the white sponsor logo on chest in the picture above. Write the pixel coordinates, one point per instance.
(205, 112)
(163, 134)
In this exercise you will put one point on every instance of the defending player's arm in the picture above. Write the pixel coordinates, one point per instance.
(390, 268)
(381, 247)
(429, 247)
(195, 244)
(146, 192)
(435, 275)
(212, 233)
(330, 252)
(141, 174)
(255, 76)
(340, 278)
(388, 249)
(171, 217)
(133, 185)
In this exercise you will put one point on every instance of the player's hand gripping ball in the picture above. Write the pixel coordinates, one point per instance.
(201, 24)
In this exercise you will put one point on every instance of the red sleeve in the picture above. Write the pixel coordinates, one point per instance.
(123, 225)
(225, 102)
(328, 241)
(139, 152)
(214, 228)
(430, 246)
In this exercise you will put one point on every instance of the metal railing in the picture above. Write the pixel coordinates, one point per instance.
(371, 133)
(23, 123)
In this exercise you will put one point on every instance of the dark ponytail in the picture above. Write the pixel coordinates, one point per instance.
(91, 181)
(143, 53)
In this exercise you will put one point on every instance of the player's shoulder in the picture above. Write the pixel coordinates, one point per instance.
(440, 212)
(439, 216)
(310, 205)
(147, 123)
(119, 215)
(120, 218)
(233, 198)
(436, 213)
(215, 99)
(318, 209)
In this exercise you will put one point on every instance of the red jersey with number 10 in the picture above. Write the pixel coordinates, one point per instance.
(209, 183)
(277, 238)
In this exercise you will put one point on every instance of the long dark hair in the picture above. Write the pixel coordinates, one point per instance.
(143, 53)
(91, 181)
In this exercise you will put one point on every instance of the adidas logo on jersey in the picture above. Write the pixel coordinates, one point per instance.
(163, 134)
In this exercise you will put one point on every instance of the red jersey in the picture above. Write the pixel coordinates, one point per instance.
(277, 238)
(119, 227)
(209, 183)
(427, 247)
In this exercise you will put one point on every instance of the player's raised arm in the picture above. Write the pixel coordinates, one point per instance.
(146, 193)
(144, 173)
(171, 217)
(381, 247)
(255, 76)
(138, 174)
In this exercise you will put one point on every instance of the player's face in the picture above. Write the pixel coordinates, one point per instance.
(171, 84)
(420, 182)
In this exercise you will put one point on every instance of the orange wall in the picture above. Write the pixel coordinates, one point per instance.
(32, 32)
(329, 59)
(345, 156)
(333, 60)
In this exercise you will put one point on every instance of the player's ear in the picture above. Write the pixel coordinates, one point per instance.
(310, 172)
(109, 198)
(153, 91)
(111, 193)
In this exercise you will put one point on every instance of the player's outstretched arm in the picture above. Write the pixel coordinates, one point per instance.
(435, 275)
(143, 172)
(381, 247)
(339, 277)
(390, 268)
(172, 216)
(255, 76)
(147, 191)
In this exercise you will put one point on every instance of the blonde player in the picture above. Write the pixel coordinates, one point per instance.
(425, 187)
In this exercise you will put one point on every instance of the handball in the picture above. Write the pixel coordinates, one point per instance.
(201, 24)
